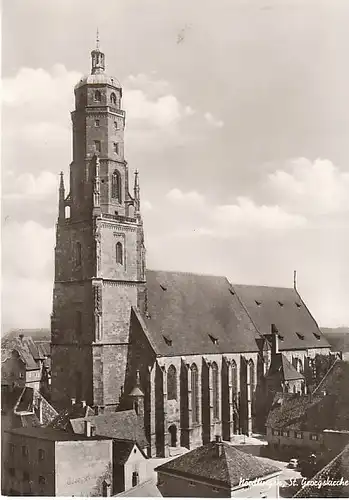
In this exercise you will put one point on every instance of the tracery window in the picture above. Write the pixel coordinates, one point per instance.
(215, 391)
(172, 383)
(116, 186)
(195, 393)
(251, 373)
(234, 378)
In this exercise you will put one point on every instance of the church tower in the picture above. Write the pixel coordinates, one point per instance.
(99, 253)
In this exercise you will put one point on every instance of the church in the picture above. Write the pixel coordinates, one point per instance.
(191, 353)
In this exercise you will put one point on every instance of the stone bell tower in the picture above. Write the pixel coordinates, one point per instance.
(99, 253)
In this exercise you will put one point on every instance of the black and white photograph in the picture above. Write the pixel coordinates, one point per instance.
(175, 248)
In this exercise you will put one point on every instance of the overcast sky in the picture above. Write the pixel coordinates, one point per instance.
(237, 119)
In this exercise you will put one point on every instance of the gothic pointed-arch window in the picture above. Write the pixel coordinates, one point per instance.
(78, 253)
(234, 378)
(113, 98)
(98, 96)
(195, 393)
(119, 253)
(172, 383)
(215, 391)
(116, 186)
(251, 373)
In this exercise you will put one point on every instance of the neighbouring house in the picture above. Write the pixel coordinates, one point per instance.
(318, 421)
(25, 362)
(129, 465)
(330, 482)
(46, 462)
(218, 469)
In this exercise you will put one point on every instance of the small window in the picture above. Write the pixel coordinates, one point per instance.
(98, 96)
(167, 340)
(24, 451)
(135, 478)
(285, 433)
(42, 480)
(299, 435)
(191, 483)
(12, 472)
(314, 437)
(113, 98)
(317, 336)
(97, 123)
(26, 476)
(298, 305)
(119, 253)
(276, 432)
(213, 339)
(21, 375)
(116, 126)
(41, 455)
(116, 148)
(281, 304)
(258, 302)
(97, 146)
(300, 335)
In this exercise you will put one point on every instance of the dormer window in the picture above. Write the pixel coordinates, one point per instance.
(167, 340)
(298, 305)
(300, 335)
(213, 339)
(317, 336)
(280, 337)
(163, 287)
(258, 302)
(98, 96)
(281, 304)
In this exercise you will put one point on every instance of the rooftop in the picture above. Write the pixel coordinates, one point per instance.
(283, 369)
(53, 435)
(224, 469)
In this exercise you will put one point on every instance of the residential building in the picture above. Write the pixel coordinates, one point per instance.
(217, 469)
(198, 343)
(46, 462)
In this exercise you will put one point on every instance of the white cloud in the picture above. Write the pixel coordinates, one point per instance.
(160, 112)
(310, 188)
(192, 197)
(27, 186)
(214, 122)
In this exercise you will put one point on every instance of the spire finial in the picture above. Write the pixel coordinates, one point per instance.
(97, 40)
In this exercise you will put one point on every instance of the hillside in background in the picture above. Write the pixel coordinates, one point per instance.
(338, 338)
(37, 334)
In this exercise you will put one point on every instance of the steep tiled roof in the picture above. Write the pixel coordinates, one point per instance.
(146, 489)
(195, 314)
(53, 434)
(63, 421)
(336, 470)
(26, 350)
(283, 307)
(122, 425)
(288, 410)
(227, 469)
(282, 368)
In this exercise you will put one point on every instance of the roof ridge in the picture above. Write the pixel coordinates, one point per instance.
(264, 286)
(188, 273)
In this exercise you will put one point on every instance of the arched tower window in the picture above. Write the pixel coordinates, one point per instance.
(234, 378)
(78, 253)
(172, 383)
(113, 98)
(98, 96)
(195, 393)
(116, 186)
(251, 373)
(119, 253)
(215, 391)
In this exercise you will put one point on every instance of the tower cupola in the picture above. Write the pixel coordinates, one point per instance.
(97, 58)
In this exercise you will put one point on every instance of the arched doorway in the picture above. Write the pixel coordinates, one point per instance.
(173, 434)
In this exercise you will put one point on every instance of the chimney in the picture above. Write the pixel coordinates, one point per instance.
(73, 401)
(87, 428)
(219, 445)
(275, 340)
